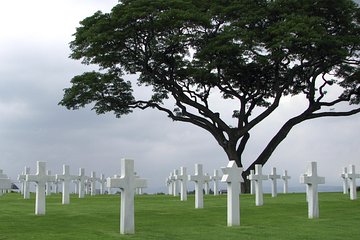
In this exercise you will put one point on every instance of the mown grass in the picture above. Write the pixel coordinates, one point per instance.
(165, 217)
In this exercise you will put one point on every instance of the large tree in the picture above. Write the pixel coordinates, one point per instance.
(252, 52)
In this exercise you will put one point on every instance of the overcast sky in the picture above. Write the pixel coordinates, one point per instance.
(35, 68)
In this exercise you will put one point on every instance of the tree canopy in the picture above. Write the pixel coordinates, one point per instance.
(253, 52)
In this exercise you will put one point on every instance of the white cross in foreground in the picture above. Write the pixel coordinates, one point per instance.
(127, 183)
(312, 180)
(40, 178)
(232, 176)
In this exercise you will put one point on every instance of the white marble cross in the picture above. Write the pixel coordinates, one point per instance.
(25, 184)
(286, 178)
(93, 179)
(345, 181)
(207, 184)
(66, 178)
(232, 176)
(199, 178)
(127, 183)
(175, 183)
(183, 178)
(312, 180)
(102, 182)
(40, 178)
(76, 186)
(352, 176)
(56, 183)
(273, 177)
(48, 184)
(216, 179)
(139, 189)
(81, 182)
(171, 185)
(252, 182)
(258, 178)
(168, 183)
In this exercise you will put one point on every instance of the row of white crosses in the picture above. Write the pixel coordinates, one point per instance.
(5, 183)
(43, 178)
(349, 177)
(256, 178)
(232, 175)
(202, 183)
(127, 182)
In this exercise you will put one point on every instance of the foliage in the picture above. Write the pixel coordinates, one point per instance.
(252, 52)
(165, 217)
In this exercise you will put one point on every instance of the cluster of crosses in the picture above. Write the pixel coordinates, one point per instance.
(5, 182)
(44, 181)
(128, 182)
(232, 175)
(349, 177)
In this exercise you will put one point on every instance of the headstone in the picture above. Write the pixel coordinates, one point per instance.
(216, 179)
(87, 186)
(183, 178)
(286, 178)
(48, 184)
(40, 178)
(352, 176)
(345, 181)
(65, 178)
(25, 184)
(199, 179)
(171, 186)
(76, 186)
(56, 183)
(232, 176)
(273, 177)
(5, 182)
(102, 182)
(258, 178)
(175, 183)
(127, 183)
(207, 184)
(92, 181)
(81, 180)
(252, 182)
(168, 183)
(312, 180)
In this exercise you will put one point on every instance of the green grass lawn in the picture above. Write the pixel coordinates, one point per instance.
(166, 217)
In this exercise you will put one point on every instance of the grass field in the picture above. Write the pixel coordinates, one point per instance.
(165, 217)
